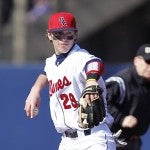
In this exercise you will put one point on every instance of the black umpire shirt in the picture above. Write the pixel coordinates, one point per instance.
(129, 94)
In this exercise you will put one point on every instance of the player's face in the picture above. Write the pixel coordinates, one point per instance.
(142, 67)
(62, 40)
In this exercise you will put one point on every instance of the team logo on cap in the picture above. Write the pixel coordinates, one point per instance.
(147, 50)
(63, 21)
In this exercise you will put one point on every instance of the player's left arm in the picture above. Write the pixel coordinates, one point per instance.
(91, 105)
(93, 69)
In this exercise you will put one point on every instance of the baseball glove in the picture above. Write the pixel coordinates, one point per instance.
(90, 116)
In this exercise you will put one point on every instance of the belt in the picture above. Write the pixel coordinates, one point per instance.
(75, 134)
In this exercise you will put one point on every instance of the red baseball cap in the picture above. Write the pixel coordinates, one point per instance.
(61, 21)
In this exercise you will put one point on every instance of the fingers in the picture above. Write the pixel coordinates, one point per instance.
(31, 110)
(90, 97)
(27, 108)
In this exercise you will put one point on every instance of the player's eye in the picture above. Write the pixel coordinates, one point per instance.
(60, 37)
(69, 37)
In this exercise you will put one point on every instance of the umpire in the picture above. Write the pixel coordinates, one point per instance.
(128, 95)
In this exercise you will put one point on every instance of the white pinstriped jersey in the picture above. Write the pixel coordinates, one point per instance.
(66, 83)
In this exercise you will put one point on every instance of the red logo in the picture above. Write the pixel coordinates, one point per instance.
(63, 21)
(60, 84)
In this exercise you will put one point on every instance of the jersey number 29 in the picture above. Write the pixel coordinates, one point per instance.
(69, 101)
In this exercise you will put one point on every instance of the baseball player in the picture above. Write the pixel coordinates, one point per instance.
(68, 72)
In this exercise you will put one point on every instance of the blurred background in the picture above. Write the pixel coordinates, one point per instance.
(110, 29)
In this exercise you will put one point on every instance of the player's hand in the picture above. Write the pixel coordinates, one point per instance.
(129, 122)
(90, 97)
(32, 104)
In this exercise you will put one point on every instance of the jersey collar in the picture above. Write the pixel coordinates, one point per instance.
(60, 58)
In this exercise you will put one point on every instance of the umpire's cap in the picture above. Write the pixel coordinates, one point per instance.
(144, 51)
(61, 21)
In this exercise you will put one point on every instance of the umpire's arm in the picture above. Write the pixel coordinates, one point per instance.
(114, 101)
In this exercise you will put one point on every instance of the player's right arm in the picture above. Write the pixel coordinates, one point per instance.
(34, 98)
